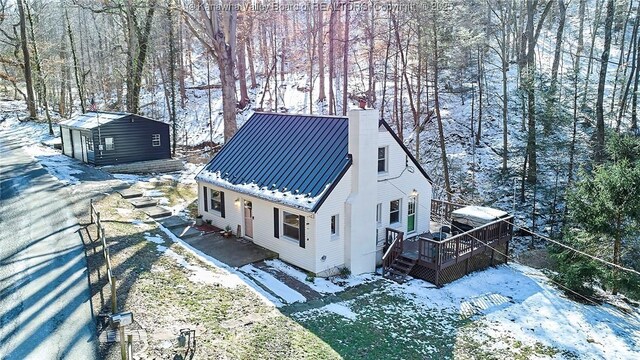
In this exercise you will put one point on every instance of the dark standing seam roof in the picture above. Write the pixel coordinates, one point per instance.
(94, 119)
(301, 154)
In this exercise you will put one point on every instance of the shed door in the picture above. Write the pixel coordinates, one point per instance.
(77, 144)
(84, 148)
(248, 219)
(66, 139)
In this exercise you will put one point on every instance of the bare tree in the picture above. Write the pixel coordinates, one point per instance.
(608, 22)
(321, 75)
(216, 31)
(26, 56)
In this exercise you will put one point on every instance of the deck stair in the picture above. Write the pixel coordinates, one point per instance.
(401, 267)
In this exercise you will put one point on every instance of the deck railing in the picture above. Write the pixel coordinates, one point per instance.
(442, 209)
(394, 243)
(442, 253)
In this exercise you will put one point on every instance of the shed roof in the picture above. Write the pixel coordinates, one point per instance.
(94, 119)
(291, 159)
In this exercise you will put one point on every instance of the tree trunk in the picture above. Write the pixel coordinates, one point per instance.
(172, 78)
(310, 54)
(556, 56)
(620, 58)
(596, 24)
(252, 70)
(572, 148)
(599, 148)
(443, 149)
(530, 87)
(138, 55)
(242, 74)
(345, 61)
(41, 79)
(31, 103)
(64, 69)
(321, 91)
(634, 98)
(76, 67)
(505, 103)
(332, 24)
(480, 93)
(371, 88)
(635, 52)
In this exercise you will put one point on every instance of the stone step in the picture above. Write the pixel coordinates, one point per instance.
(186, 232)
(129, 193)
(156, 212)
(175, 222)
(143, 202)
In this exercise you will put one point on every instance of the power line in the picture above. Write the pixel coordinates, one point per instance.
(606, 262)
(514, 260)
(505, 255)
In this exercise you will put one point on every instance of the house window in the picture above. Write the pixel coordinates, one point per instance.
(291, 225)
(394, 211)
(379, 214)
(411, 215)
(155, 139)
(216, 200)
(382, 159)
(89, 143)
(334, 226)
(108, 143)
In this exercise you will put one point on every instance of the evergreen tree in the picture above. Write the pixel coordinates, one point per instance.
(604, 220)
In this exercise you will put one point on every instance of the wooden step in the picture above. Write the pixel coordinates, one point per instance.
(129, 193)
(156, 212)
(143, 202)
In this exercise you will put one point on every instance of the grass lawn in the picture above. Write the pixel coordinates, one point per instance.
(230, 321)
(502, 313)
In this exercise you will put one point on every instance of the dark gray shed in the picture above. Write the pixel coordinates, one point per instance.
(109, 138)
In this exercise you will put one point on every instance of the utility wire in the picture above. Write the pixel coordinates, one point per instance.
(513, 259)
(606, 262)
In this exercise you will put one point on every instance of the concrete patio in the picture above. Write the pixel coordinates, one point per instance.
(229, 250)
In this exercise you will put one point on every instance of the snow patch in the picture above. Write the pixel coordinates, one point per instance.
(341, 310)
(321, 285)
(231, 275)
(154, 239)
(59, 166)
(276, 286)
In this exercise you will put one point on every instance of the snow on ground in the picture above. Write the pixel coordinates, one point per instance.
(153, 193)
(507, 305)
(154, 238)
(60, 166)
(232, 277)
(284, 292)
(341, 310)
(321, 285)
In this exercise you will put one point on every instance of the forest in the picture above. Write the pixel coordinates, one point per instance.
(526, 105)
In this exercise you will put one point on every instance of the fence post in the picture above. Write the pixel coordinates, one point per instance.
(98, 225)
(123, 343)
(91, 209)
(130, 346)
(114, 298)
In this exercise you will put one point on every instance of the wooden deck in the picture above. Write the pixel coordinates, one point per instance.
(443, 261)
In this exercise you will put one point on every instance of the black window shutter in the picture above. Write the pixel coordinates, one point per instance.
(206, 201)
(276, 222)
(222, 204)
(302, 228)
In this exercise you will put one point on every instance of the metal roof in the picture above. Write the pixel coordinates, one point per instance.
(300, 156)
(92, 119)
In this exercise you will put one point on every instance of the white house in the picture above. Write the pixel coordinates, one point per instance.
(318, 190)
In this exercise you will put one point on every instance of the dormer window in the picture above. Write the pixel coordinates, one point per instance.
(382, 160)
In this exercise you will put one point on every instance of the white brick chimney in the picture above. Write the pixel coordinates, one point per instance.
(360, 237)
